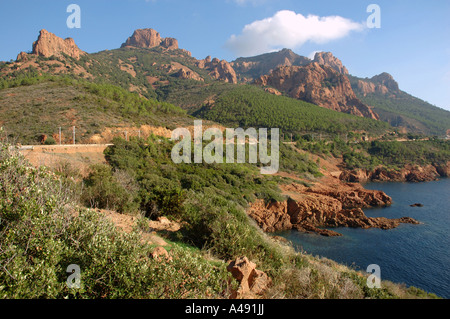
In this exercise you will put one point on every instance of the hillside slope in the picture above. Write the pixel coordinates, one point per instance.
(33, 108)
(399, 108)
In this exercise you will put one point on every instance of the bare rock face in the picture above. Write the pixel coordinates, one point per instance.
(144, 38)
(273, 91)
(317, 84)
(22, 56)
(188, 74)
(170, 43)
(383, 83)
(410, 173)
(328, 59)
(48, 45)
(322, 206)
(220, 70)
(271, 217)
(252, 282)
(386, 80)
(149, 38)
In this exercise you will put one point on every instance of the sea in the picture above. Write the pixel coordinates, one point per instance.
(414, 255)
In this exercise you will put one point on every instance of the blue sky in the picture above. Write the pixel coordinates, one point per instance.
(413, 43)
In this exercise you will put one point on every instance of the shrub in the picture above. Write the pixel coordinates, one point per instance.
(42, 233)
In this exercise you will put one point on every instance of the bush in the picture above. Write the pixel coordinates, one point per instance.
(50, 141)
(42, 233)
(106, 189)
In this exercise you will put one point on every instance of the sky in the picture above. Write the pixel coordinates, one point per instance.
(412, 43)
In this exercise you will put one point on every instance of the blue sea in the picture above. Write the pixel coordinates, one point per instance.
(416, 255)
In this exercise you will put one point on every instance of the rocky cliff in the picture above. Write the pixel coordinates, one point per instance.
(410, 173)
(383, 83)
(149, 38)
(218, 69)
(324, 205)
(328, 59)
(250, 68)
(317, 84)
(48, 45)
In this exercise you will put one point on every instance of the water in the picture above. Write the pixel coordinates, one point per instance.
(416, 255)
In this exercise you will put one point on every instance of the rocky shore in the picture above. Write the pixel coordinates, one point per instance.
(410, 173)
(329, 203)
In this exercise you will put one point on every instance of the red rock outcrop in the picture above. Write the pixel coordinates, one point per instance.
(328, 59)
(188, 74)
(149, 38)
(48, 45)
(271, 217)
(311, 209)
(317, 84)
(22, 56)
(252, 282)
(410, 173)
(220, 70)
(383, 83)
(169, 43)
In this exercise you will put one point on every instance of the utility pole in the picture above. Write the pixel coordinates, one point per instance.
(139, 134)
(60, 136)
(74, 136)
(126, 136)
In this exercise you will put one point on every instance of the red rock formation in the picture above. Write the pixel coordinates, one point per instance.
(188, 74)
(320, 85)
(273, 91)
(328, 59)
(252, 282)
(410, 173)
(323, 205)
(149, 38)
(169, 43)
(271, 217)
(22, 56)
(383, 83)
(48, 45)
(220, 70)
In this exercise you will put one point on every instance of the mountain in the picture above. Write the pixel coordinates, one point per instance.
(400, 109)
(317, 84)
(48, 45)
(251, 68)
(33, 107)
(156, 68)
(378, 97)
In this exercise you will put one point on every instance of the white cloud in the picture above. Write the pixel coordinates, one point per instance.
(312, 55)
(287, 29)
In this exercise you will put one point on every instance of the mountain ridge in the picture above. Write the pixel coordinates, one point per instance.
(160, 66)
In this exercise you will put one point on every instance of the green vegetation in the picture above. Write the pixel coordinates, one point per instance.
(210, 198)
(33, 105)
(390, 154)
(105, 66)
(405, 110)
(249, 106)
(42, 232)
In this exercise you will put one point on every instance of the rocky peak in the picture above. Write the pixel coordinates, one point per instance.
(48, 45)
(220, 70)
(149, 38)
(383, 83)
(328, 59)
(318, 84)
(387, 80)
(253, 67)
